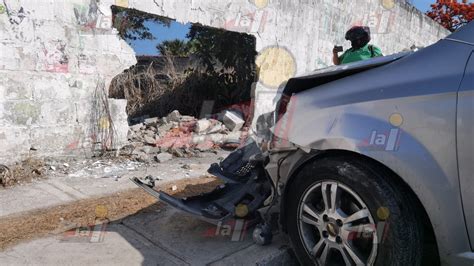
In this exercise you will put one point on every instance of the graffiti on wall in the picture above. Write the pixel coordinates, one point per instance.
(53, 57)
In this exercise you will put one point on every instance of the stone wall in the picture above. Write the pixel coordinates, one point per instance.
(297, 36)
(57, 56)
(53, 63)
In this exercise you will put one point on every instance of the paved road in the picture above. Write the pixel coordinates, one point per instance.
(157, 237)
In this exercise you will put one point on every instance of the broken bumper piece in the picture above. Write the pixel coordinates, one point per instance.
(246, 187)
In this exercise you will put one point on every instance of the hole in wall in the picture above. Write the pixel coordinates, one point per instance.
(185, 67)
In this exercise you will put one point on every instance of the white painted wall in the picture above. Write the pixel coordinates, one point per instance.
(297, 36)
(51, 58)
(49, 70)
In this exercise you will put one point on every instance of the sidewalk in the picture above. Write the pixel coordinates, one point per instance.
(153, 236)
(167, 237)
(63, 189)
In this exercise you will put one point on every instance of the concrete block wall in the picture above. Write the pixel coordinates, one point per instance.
(55, 53)
(297, 36)
(51, 65)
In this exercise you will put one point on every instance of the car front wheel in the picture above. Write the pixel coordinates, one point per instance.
(343, 211)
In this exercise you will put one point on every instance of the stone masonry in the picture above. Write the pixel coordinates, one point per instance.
(57, 58)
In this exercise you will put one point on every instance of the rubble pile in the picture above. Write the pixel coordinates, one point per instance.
(184, 136)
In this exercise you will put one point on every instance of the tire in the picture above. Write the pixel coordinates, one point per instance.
(396, 234)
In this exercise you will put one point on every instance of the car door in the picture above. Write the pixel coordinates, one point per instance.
(465, 145)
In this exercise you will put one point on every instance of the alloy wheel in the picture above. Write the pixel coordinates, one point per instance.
(336, 226)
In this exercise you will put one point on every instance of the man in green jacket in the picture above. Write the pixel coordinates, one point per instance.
(360, 50)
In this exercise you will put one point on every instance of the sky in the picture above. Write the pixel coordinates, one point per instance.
(179, 31)
(161, 33)
(422, 5)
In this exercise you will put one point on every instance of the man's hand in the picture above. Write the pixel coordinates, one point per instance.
(335, 55)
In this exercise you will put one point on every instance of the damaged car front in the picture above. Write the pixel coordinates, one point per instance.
(358, 164)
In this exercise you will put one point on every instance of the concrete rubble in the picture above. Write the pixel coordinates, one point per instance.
(233, 120)
(113, 167)
(179, 135)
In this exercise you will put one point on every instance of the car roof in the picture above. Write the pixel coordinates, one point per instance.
(464, 34)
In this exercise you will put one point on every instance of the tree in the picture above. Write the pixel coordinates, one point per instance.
(229, 60)
(231, 49)
(130, 23)
(174, 48)
(452, 14)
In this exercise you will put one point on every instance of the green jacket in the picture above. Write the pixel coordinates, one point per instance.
(366, 52)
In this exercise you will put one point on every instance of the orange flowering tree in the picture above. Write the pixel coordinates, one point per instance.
(451, 13)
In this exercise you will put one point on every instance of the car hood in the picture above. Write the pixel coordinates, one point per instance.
(430, 71)
(325, 75)
(332, 73)
(464, 34)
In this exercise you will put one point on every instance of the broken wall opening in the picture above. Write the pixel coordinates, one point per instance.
(205, 71)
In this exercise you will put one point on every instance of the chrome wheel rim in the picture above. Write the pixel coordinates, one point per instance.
(335, 225)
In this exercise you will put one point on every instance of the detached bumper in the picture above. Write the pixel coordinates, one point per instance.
(245, 189)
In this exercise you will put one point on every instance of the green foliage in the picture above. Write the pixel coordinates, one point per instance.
(229, 60)
(130, 23)
(223, 68)
(175, 47)
(230, 49)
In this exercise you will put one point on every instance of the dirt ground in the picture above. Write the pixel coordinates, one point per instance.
(53, 221)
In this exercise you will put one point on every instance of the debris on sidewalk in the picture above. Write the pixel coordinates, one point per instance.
(153, 141)
(111, 167)
(22, 172)
(163, 157)
(233, 120)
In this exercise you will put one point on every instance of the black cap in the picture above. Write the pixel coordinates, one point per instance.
(358, 35)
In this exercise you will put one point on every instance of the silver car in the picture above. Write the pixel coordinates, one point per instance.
(365, 163)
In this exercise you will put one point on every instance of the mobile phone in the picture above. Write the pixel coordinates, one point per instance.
(338, 48)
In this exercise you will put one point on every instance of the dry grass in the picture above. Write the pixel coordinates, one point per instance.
(157, 92)
(22, 172)
(52, 221)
